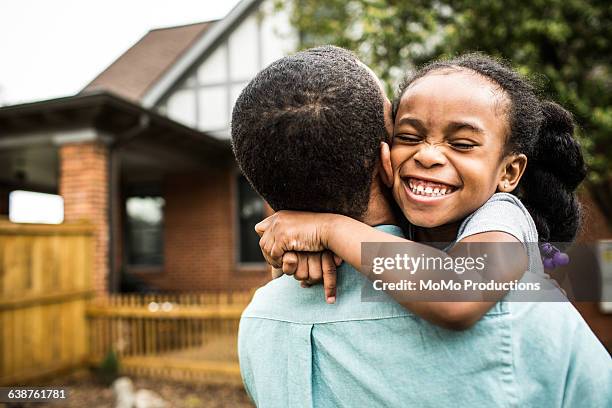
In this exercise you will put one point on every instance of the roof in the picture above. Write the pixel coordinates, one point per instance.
(115, 116)
(141, 66)
(194, 53)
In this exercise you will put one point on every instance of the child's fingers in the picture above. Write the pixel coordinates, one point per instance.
(329, 276)
(261, 227)
(290, 263)
(266, 243)
(267, 257)
(301, 273)
(276, 255)
(337, 260)
(276, 273)
(315, 269)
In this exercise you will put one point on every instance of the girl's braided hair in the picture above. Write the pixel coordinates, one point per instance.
(544, 132)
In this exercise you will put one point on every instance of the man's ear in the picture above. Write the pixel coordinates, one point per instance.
(386, 173)
(513, 171)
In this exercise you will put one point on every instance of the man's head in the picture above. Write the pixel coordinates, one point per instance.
(306, 132)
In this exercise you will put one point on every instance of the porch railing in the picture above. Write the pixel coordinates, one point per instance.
(186, 336)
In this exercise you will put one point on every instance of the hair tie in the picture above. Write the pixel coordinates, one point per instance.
(553, 256)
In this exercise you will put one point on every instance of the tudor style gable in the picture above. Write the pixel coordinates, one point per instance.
(193, 74)
(204, 96)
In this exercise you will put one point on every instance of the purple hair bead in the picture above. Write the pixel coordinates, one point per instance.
(548, 263)
(548, 249)
(560, 259)
(553, 257)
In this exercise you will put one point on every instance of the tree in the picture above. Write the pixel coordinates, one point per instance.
(563, 44)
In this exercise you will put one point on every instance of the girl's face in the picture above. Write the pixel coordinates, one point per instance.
(446, 154)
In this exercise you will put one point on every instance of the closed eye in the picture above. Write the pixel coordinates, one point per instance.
(408, 138)
(462, 146)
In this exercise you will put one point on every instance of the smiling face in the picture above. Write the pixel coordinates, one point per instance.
(448, 142)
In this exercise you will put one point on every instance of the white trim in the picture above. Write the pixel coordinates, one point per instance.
(28, 139)
(75, 136)
(54, 138)
(159, 89)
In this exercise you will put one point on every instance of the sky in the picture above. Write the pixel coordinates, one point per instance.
(53, 48)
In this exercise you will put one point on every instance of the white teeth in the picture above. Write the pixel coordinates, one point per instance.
(420, 188)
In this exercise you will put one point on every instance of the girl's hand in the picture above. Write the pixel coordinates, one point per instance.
(310, 268)
(294, 242)
(287, 231)
(313, 267)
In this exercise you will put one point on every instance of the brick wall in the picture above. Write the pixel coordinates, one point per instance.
(199, 236)
(83, 184)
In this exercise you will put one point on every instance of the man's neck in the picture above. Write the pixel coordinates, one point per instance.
(380, 207)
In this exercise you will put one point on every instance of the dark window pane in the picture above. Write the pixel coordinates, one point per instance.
(250, 212)
(144, 242)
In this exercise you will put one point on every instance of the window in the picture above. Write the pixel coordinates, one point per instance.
(244, 50)
(144, 230)
(214, 68)
(213, 107)
(182, 107)
(250, 211)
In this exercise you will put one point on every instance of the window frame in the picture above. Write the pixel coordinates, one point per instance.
(235, 208)
(145, 190)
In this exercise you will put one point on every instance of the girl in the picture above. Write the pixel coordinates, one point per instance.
(475, 157)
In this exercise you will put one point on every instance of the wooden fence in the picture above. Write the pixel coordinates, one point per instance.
(50, 322)
(185, 337)
(45, 280)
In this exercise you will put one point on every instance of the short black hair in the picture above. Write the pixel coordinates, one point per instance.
(306, 132)
(540, 129)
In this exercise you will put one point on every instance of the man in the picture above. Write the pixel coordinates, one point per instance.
(306, 133)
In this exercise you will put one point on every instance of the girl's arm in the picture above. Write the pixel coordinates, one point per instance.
(300, 231)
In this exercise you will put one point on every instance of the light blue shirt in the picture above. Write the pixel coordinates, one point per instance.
(297, 351)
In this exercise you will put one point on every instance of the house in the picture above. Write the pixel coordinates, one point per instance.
(143, 154)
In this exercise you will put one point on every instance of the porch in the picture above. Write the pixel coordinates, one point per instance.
(169, 210)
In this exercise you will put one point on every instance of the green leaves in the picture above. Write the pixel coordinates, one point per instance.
(566, 41)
